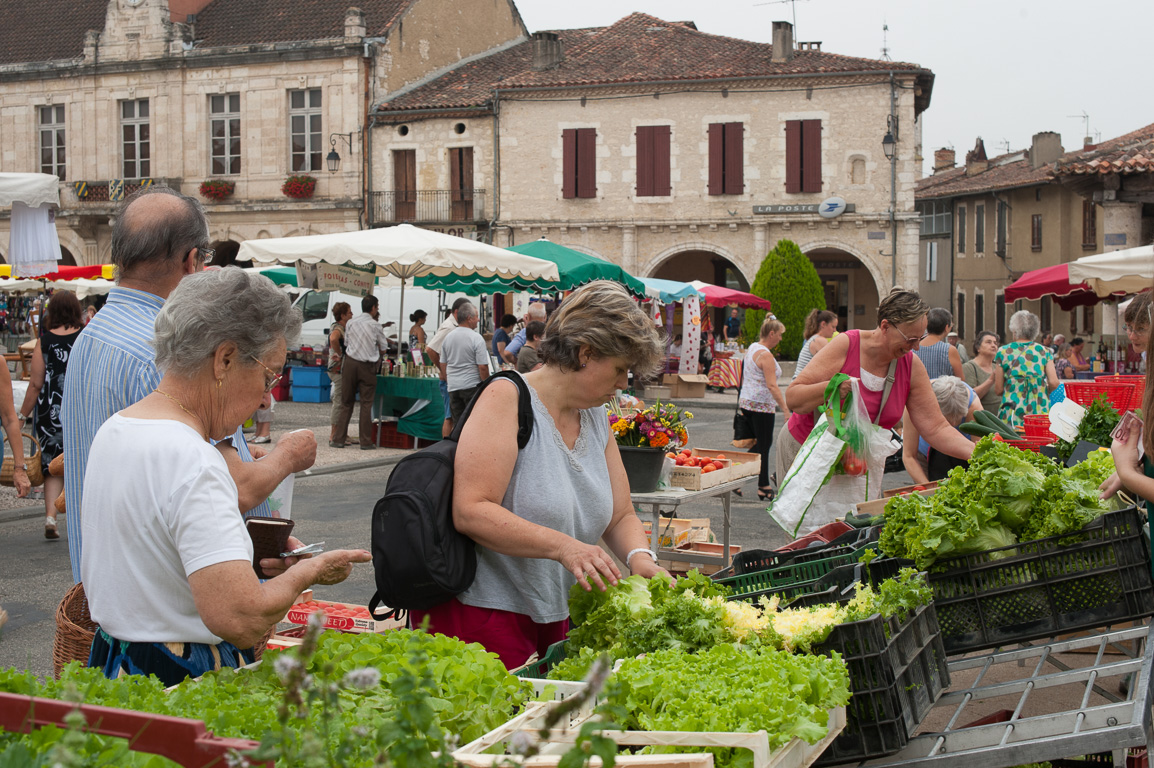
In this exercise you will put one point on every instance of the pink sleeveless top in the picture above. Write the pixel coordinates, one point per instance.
(801, 424)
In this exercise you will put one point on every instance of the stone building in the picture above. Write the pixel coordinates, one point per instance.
(672, 152)
(990, 220)
(114, 94)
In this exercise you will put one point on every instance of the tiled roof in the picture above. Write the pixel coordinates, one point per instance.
(1132, 153)
(52, 30)
(47, 30)
(242, 22)
(637, 49)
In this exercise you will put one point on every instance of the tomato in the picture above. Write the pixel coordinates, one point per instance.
(708, 468)
(671, 456)
(919, 487)
(720, 456)
(679, 461)
(852, 465)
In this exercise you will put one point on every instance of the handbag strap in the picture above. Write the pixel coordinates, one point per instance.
(890, 376)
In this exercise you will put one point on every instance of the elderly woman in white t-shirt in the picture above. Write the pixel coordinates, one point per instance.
(761, 396)
(167, 563)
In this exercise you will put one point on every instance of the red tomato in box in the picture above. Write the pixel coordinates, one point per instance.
(709, 468)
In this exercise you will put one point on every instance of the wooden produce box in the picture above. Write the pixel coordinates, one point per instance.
(676, 531)
(877, 506)
(703, 548)
(685, 385)
(693, 479)
(343, 616)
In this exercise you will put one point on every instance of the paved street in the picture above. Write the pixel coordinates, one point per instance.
(334, 508)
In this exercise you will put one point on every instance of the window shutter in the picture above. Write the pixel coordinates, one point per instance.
(586, 162)
(716, 159)
(734, 159)
(466, 173)
(645, 161)
(455, 174)
(792, 156)
(661, 183)
(569, 163)
(811, 155)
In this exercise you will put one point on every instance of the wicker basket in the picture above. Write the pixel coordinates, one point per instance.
(74, 630)
(31, 460)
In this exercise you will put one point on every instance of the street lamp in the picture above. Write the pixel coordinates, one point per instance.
(333, 159)
(889, 146)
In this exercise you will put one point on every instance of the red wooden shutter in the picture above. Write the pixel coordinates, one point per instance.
(466, 173)
(455, 174)
(569, 163)
(586, 162)
(792, 156)
(811, 155)
(405, 184)
(716, 159)
(661, 184)
(734, 158)
(645, 161)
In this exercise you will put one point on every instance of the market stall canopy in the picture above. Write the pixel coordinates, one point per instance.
(32, 189)
(1127, 271)
(716, 296)
(574, 270)
(1052, 281)
(83, 287)
(105, 271)
(279, 275)
(15, 285)
(668, 291)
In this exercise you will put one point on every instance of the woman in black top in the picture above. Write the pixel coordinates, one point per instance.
(46, 391)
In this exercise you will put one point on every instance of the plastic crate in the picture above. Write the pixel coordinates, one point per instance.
(897, 671)
(1091, 578)
(385, 435)
(834, 587)
(757, 560)
(1084, 392)
(795, 577)
(858, 537)
(1138, 397)
(311, 394)
(310, 377)
(1027, 443)
(826, 534)
(1037, 427)
(541, 667)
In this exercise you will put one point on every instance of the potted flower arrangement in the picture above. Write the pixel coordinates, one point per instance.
(300, 187)
(216, 189)
(643, 436)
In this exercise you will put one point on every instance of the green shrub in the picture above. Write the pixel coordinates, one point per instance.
(787, 278)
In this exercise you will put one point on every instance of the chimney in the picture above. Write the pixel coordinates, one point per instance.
(782, 41)
(546, 51)
(944, 160)
(976, 160)
(1045, 148)
(355, 23)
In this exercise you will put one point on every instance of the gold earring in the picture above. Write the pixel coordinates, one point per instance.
(219, 382)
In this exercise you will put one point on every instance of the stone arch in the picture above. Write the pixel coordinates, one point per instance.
(655, 262)
(67, 259)
(845, 289)
(76, 245)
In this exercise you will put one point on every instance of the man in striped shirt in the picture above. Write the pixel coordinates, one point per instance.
(364, 342)
(159, 237)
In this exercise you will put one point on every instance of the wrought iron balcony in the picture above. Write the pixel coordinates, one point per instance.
(427, 206)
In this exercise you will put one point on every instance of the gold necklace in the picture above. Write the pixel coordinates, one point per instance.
(180, 405)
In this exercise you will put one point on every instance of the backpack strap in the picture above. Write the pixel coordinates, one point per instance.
(524, 408)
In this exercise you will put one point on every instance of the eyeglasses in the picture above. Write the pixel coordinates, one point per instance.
(269, 383)
(911, 339)
(206, 254)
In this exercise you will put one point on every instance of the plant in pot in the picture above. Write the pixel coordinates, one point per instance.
(216, 189)
(643, 436)
(299, 186)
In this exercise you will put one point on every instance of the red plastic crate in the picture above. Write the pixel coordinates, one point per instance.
(1084, 392)
(1037, 427)
(385, 434)
(1027, 443)
(824, 534)
(1139, 382)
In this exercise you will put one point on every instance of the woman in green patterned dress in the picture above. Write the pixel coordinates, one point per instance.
(1024, 371)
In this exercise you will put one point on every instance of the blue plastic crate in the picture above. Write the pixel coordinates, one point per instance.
(310, 377)
(311, 394)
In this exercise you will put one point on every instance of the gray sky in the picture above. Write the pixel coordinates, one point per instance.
(1005, 69)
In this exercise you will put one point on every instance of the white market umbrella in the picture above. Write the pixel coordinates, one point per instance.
(17, 284)
(1127, 271)
(404, 251)
(32, 189)
(84, 287)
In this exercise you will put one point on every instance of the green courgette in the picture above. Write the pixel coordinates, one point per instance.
(988, 419)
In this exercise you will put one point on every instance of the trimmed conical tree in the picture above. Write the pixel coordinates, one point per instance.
(787, 278)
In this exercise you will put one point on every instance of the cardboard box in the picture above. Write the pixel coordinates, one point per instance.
(676, 531)
(693, 479)
(299, 614)
(704, 548)
(877, 506)
(685, 385)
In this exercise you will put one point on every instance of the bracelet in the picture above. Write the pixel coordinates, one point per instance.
(632, 552)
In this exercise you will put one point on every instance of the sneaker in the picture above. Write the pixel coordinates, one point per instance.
(335, 444)
(50, 528)
(259, 440)
(369, 447)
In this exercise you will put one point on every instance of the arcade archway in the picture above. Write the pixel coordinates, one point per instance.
(850, 289)
(706, 266)
(226, 251)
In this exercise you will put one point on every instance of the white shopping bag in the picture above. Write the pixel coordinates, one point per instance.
(811, 470)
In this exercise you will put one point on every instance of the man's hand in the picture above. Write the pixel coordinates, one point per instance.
(299, 448)
(275, 566)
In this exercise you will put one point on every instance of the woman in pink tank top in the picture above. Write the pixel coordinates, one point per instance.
(867, 355)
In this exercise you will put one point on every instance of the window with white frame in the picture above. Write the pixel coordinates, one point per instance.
(305, 130)
(931, 261)
(136, 151)
(224, 133)
(52, 140)
(937, 218)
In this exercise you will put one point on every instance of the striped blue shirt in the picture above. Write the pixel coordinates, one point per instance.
(112, 366)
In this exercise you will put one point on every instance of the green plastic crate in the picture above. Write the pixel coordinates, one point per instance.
(540, 668)
(801, 570)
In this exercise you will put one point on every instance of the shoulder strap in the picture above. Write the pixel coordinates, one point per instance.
(886, 391)
(524, 408)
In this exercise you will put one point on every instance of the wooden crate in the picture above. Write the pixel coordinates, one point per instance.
(692, 478)
(703, 548)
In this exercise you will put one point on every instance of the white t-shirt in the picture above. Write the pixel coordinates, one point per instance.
(463, 351)
(159, 505)
(443, 331)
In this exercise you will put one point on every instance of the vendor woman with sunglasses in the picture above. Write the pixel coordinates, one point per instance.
(872, 357)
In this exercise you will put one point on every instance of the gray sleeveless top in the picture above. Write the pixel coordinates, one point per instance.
(803, 357)
(936, 358)
(568, 491)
